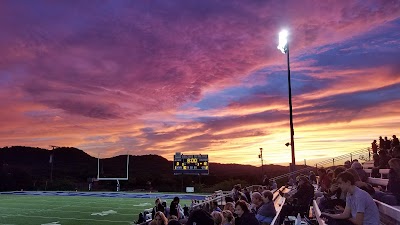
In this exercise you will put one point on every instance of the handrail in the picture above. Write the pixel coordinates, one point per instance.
(325, 162)
(322, 163)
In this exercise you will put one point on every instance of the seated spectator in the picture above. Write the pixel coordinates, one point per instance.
(375, 157)
(274, 185)
(335, 196)
(267, 211)
(257, 201)
(392, 196)
(338, 170)
(157, 208)
(383, 159)
(332, 200)
(164, 204)
(396, 152)
(173, 208)
(245, 217)
(246, 192)
(360, 184)
(141, 219)
(265, 180)
(235, 193)
(360, 171)
(200, 217)
(230, 207)
(243, 197)
(394, 178)
(360, 207)
(217, 216)
(159, 219)
(312, 177)
(173, 217)
(347, 164)
(292, 180)
(228, 218)
(300, 201)
(324, 180)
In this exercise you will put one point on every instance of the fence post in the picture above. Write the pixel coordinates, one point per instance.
(305, 162)
(333, 162)
(351, 157)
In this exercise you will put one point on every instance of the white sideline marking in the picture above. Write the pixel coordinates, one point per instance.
(104, 213)
(67, 218)
(53, 210)
(143, 204)
(52, 223)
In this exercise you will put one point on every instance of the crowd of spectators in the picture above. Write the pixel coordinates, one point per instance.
(343, 195)
(347, 199)
(245, 207)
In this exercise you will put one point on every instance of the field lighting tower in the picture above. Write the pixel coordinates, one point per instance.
(284, 48)
(260, 156)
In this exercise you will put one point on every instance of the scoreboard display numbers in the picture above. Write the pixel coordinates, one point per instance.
(190, 164)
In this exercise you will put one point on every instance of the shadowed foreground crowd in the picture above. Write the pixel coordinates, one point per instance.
(343, 196)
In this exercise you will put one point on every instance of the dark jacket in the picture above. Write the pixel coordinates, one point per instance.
(393, 184)
(247, 219)
(158, 208)
(173, 209)
(200, 217)
(304, 195)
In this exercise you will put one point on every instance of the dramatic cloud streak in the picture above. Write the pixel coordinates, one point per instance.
(156, 77)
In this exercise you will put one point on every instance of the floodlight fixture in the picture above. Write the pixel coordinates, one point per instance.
(283, 41)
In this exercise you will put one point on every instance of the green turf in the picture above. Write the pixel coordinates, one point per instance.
(66, 210)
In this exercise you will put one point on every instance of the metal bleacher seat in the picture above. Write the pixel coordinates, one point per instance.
(317, 213)
(279, 201)
(388, 214)
(368, 165)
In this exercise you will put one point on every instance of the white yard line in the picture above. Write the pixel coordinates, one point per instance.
(67, 211)
(68, 218)
(73, 201)
(75, 205)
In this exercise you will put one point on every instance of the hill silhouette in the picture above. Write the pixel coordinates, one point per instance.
(28, 168)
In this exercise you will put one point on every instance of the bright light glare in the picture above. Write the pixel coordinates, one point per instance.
(283, 39)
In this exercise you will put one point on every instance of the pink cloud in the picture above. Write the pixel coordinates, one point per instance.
(69, 70)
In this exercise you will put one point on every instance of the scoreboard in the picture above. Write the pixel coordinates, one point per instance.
(190, 164)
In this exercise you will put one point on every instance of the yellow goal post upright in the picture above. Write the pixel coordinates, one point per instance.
(113, 178)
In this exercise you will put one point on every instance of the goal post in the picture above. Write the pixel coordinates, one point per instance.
(113, 178)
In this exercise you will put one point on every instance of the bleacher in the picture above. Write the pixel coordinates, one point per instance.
(389, 215)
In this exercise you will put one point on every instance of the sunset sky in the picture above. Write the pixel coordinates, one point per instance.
(199, 76)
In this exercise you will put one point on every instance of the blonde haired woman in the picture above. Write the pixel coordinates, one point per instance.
(228, 218)
(159, 219)
(217, 216)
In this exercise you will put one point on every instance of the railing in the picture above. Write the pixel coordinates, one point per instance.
(362, 154)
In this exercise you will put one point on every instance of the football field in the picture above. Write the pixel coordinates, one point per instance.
(69, 210)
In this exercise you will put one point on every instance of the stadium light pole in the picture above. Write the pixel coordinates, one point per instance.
(262, 162)
(283, 46)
